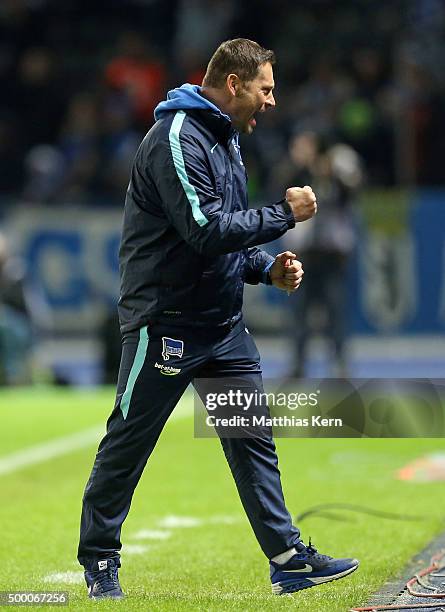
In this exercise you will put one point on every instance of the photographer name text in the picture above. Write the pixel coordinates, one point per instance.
(272, 421)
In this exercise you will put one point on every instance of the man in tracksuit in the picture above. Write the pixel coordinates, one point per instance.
(189, 243)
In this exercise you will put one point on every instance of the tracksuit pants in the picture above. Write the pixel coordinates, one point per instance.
(145, 399)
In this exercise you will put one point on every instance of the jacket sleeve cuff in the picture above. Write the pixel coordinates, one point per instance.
(265, 276)
(288, 212)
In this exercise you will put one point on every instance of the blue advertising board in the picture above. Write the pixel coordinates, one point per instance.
(397, 272)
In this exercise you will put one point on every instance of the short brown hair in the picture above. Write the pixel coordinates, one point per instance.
(241, 56)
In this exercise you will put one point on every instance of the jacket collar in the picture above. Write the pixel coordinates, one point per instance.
(219, 124)
(189, 99)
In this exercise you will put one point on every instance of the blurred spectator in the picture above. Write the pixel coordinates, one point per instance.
(195, 41)
(91, 158)
(38, 97)
(118, 145)
(138, 76)
(67, 169)
(323, 244)
(44, 172)
(11, 174)
(362, 122)
(419, 119)
(316, 102)
(15, 320)
(78, 143)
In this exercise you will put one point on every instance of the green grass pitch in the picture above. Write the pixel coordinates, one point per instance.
(214, 563)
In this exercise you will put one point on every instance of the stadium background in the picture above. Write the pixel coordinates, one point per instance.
(79, 82)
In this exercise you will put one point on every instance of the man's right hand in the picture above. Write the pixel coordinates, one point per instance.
(302, 201)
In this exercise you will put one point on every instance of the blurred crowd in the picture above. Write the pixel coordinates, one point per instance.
(79, 82)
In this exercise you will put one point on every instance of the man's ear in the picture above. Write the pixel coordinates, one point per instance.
(233, 83)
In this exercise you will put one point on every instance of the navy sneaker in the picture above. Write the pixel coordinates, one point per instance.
(102, 579)
(307, 569)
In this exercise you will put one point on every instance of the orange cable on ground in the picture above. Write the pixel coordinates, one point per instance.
(434, 565)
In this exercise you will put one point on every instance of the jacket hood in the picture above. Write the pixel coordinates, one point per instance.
(186, 97)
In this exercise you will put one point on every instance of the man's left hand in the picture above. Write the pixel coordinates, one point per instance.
(286, 272)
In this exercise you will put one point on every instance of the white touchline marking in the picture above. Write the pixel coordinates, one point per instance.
(134, 549)
(64, 578)
(174, 522)
(66, 445)
(151, 534)
(49, 450)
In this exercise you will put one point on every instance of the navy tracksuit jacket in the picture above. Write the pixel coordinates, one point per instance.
(188, 246)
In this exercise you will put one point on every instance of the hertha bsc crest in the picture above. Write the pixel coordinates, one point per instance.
(172, 347)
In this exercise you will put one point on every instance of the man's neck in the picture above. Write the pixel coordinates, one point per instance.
(217, 97)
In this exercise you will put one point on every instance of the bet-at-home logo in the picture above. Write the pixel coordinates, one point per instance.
(167, 370)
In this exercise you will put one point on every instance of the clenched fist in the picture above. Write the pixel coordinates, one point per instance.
(286, 272)
(302, 201)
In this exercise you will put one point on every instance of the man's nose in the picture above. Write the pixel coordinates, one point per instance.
(270, 102)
